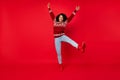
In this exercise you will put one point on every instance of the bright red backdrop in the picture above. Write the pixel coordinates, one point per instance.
(26, 32)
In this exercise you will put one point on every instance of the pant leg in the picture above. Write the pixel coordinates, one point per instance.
(69, 40)
(58, 49)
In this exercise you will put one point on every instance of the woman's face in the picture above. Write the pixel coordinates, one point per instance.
(60, 18)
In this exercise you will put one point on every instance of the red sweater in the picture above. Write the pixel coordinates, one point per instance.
(59, 28)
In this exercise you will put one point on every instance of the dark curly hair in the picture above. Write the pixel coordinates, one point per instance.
(64, 17)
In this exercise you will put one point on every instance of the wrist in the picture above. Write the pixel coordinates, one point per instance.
(49, 8)
(75, 10)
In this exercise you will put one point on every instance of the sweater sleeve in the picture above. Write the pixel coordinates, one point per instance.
(72, 15)
(51, 14)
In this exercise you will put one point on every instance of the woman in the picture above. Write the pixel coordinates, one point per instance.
(60, 22)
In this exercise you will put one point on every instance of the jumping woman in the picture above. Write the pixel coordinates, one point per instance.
(60, 23)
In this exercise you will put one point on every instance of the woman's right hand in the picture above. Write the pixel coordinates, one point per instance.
(48, 5)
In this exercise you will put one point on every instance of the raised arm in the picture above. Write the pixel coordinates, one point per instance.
(73, 13)
(50, 12)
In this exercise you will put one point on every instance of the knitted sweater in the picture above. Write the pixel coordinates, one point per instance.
(59, 27)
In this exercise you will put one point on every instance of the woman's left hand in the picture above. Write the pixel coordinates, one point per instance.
(77, 8)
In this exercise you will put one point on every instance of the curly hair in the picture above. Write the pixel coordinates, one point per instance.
(64, 17)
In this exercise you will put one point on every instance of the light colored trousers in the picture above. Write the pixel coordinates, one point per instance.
(58, 41)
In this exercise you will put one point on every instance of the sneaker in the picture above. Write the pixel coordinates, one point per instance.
(61, 67)
(79, 48)
(83, 47)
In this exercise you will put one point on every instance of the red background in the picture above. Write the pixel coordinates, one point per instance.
(27, 44)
